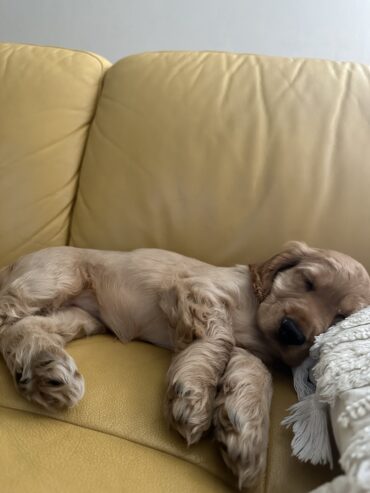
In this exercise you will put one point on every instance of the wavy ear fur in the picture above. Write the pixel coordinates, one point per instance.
(263, 275)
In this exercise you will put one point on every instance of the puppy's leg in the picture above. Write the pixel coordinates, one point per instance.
(40, 281)
(195, 371)
(33, 351)
(241, 416)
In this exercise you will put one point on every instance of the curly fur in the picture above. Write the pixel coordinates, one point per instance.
(241, 415)
(221, 322)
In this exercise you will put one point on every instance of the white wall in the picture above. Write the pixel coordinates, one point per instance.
(334, 29)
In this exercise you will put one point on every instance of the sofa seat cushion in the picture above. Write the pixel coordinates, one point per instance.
(117, 439)
(51, 455)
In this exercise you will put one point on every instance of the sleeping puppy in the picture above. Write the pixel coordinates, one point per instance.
(223, 323)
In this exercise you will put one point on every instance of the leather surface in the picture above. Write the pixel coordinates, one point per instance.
(225, 157)
(44, 455)
(47, 100)
(121, 380)
(122, 413)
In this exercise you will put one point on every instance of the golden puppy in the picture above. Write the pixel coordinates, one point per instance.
(221, 322)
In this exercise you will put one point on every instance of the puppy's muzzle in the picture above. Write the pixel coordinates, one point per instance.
(290, 334)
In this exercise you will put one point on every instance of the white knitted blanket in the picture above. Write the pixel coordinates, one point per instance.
(335, 382)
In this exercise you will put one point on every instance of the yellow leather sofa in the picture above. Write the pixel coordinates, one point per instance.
(219, 156)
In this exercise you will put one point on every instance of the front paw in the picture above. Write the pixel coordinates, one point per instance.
(49, 378)
(241, 428)
(189, 407)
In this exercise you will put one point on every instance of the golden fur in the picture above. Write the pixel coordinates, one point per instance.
(222, 322)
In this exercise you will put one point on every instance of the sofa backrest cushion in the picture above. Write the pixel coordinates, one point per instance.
(47, 100)
(225, 157)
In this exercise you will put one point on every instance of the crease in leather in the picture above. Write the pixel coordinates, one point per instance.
(84, 203)
(198, 71)
(109, 140)
(328, 162)
(50, 194)
(354, 96)
(261, 92)
(227, 80)
(338, 113)
(130, 109)
(6, 62)
(177, 71)
(44, 227)
(96, 430)
(290, 84)
(259, 172)
(58, 233)
(130, 161)
(122, 104)
(77, 132)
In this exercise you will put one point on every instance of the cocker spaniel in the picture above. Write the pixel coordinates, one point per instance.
(223, 323)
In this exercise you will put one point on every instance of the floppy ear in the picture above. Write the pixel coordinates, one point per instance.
(263, 275)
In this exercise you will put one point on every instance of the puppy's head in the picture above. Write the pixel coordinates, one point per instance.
(302, 291)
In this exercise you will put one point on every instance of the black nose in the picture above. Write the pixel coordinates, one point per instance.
(290, 334)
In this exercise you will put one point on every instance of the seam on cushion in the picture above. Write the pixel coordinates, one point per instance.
(83, 154)
(91, 54)
(250, 55)
(120, 438)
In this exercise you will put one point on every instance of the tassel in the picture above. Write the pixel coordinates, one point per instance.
(311, 441)
(303, 380)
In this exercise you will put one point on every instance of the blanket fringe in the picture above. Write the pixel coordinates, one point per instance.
(311, 441)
